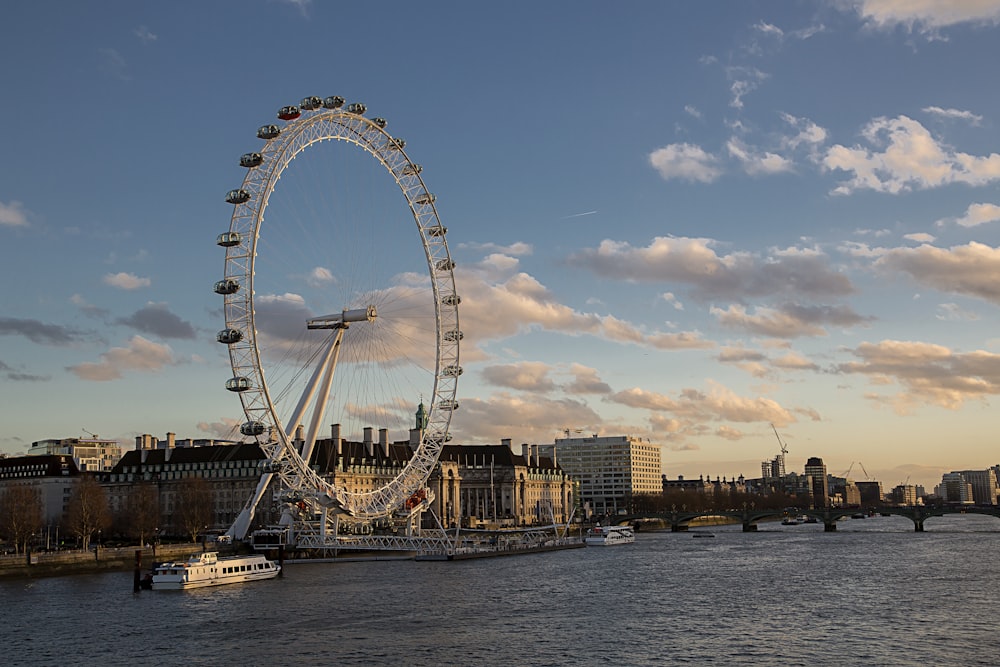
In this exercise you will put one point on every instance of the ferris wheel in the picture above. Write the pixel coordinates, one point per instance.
(336, 312)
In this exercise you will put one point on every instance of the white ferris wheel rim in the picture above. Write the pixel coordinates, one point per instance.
(311, 127)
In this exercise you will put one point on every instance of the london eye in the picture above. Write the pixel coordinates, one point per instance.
(340, 303)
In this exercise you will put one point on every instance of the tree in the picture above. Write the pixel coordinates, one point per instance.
(143, 511)
(88, 510)
(194, 505)
(21, 514)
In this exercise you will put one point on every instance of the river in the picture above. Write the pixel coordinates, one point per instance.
(872, 593)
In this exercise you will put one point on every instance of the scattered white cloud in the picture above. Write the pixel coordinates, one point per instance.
(905, 156)
(144, 35)
(975, 215)
(924, 16)
(38, 332)
(156, 319)
(113, 64)
(954, 114)
(13, 215)
(952, 312)
(531, 376)
(126, 281)
(919, 237)
(970, 270)
(757, 162)
(685, 162)
(139, 355)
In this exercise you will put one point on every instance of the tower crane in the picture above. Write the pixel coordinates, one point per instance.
(784, 449)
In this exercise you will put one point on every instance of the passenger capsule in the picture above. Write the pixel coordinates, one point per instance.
(237, 196)
(426, 198)
(333, 102)
(445, 265)
(452, 371)
(397, 144)
(412, 169)
(356, 108)
(228, 239)
(238, 384)
(268, 132)
(289, 113)
(252, 428)
(453, 336)
(251, 160)
(448, 405)
(311, 103)
(227, 286)
(451, 300)
(380, 122)
(229, 336)
(437, 231)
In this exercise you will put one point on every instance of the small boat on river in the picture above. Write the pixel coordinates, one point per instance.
(207, 569)
(603, 536)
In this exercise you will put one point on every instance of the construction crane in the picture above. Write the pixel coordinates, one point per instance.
(784, 449)
(848, 471)
(867, 476)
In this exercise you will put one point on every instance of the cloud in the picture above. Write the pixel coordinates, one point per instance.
(743, 81)
(38, 332)
(693, 408)
(13, 215)
(926, 373)
(144, 35)
(755, 162)
(586, 381)
(519, 303)
(87, 308)
(156, 319)
(788, 321)
(952, 312)
(972, 269)
(517, 249)
(954, 114)
(904, 156)
(693, 261)
(225, 429)
(808, 133)
(975, 215)
(320, 276)
(685, 162)
(532, 376)
(113, 64)
(140, 355)
(532, 418)
(925, 16)
(126, 281)
(16, 375)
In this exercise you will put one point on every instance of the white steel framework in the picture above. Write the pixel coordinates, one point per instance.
(309, 126)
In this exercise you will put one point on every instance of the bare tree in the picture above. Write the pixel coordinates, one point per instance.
(143, 512)
(21, 514)
(88, 510)
(194, 505)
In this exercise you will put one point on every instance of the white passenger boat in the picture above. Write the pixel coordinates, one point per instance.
(609, 535)
(207, 569)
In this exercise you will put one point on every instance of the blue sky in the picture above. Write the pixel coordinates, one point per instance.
(680, 221)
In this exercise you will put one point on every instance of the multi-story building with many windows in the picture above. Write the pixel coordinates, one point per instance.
(610, 470)
(92, 454)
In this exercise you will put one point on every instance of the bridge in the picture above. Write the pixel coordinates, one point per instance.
(680, 520)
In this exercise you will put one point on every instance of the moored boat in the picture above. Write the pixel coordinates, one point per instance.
(207, 569)
(609, 535)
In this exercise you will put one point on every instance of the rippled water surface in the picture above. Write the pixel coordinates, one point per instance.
(872, 593)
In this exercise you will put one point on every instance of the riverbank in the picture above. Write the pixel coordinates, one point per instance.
(100, 559)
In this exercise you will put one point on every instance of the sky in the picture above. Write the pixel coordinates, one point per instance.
(697, 223)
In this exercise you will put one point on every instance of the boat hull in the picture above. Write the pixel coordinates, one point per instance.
(207, 570)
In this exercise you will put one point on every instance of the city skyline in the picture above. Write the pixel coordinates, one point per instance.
(678, 222)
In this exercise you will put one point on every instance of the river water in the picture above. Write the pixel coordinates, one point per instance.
(872, 593)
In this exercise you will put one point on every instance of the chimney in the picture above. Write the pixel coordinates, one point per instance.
(171, 440)
(414, 438)
(505, 442)
(337, 442)
(383, 441)
(554, 462)
(369, 445)
(526, 453)
(298, 432)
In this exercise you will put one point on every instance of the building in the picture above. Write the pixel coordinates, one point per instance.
(871, 492)
(904, 494)
(232, 472)
(984, 485)
(610, 470)
(772, 473)
(819, 487)
(54, 476)
(955, 489)
(92, 454)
